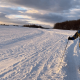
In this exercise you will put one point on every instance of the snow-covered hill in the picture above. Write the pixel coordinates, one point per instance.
(36, 54)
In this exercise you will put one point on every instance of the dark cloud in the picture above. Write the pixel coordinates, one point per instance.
(50, 18)
(10, 10)
(2, 15)
(50, 5)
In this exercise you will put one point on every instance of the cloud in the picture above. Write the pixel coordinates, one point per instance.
(2, 15)
(48, 5)
(50, 18)
(29, 15)
(39, 11)
(32, 11)
(5, 19)
(10, 10)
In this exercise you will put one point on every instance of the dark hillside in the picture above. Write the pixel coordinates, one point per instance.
(68, 25)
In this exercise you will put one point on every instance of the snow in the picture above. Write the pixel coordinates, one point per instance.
(36, 54)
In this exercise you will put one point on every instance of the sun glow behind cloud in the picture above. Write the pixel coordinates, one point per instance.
(32, 11)
(29, 19)
(24, 17)
(17, 16)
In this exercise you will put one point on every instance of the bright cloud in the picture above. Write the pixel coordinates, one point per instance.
(32, 11)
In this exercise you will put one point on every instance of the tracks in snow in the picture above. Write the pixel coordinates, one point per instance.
(19, 39)
(37, 59)
(36, 55)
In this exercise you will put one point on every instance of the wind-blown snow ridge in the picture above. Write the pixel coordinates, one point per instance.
(35, 54)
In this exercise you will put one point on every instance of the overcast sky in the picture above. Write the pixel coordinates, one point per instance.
(42, 12)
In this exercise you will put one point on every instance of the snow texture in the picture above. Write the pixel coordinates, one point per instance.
(36, 54)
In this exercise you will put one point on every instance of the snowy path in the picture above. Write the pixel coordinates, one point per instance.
(71, 66)
(72, 59)
(35, 54)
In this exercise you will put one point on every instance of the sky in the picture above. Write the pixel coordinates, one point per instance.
(40, 12)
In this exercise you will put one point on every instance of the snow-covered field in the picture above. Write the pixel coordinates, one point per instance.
(36, 54)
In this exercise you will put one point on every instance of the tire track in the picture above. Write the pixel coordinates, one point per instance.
(22, 62)
(41, 61)
(49, 65)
